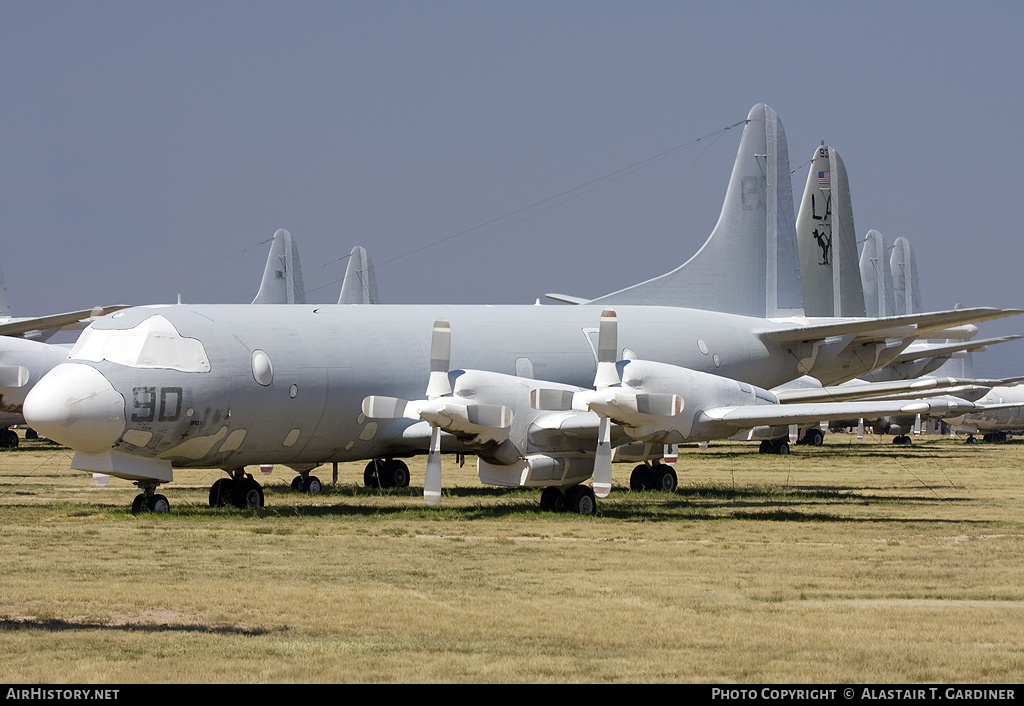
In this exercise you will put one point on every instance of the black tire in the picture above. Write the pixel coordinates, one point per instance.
(313, 485)
(220, 492)
(158, 504)
(781, 447)
(297, 484)
(399, 474)
(372, 473)
(580, 500)
(766, 447)
(663, 478)
(247, 493)
(639, 478)
(816, 437)
(139, 504)
(552, 499)
(8, 439)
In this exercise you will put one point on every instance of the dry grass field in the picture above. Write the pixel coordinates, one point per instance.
(854, 562)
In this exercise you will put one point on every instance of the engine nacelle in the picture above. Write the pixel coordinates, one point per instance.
(696, 391)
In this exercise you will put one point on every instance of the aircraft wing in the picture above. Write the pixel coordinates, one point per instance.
(747, 416)
(909, 325)
(21, 326)
(864, 390)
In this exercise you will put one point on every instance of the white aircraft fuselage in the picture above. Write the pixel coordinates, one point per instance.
(234, 385)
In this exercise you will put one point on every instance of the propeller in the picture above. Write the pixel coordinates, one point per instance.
(440, 410)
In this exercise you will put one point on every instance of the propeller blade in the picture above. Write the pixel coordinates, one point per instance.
(440, 359)
(603, 459)
(382, 407)
(607, 347)
(432, 482)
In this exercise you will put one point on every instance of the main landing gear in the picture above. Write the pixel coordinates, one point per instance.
(657, 476)
(775, 446)
(579, 499)
(307, 484)
(240, 490)
(902, 440)
(386, 473)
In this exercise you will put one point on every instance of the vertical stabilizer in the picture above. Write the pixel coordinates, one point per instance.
(876, 277)
(904, 278)
(825, 234)
(749, 263)
(282, 277)
(360, 285)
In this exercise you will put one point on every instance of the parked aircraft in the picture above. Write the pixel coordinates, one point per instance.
(25, 356)
(229, 386)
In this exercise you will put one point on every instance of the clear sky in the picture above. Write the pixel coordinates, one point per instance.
(151, 149)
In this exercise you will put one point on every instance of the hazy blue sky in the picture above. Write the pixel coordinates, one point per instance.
(151, 148)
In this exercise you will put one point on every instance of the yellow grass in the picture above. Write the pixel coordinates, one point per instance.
(855, 562)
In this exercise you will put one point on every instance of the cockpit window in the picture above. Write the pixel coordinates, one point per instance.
(154, 343)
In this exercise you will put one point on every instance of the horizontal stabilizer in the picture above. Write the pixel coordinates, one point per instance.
(940, 349)
(891, 326)
(565, 298)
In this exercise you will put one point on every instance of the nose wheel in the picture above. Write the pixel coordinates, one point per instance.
(149, 500)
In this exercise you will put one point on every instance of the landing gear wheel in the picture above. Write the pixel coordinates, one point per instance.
(902, 440)
(580, 499)
(220, 492)
(152, 503)
(552, 500)
(307, 484)
(247, 493)
(397, 473)
(638, 478)
(8, 439)
(766, 447)
(815, 437)
(970, 440)
(781, 447)
(372, 473)
(663, 478)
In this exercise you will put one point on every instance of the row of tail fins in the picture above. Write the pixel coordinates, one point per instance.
(761, 259)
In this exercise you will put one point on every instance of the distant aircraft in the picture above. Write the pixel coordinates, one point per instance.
(25, 356)
(228, 386)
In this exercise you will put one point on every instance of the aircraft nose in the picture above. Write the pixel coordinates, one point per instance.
(76, 406)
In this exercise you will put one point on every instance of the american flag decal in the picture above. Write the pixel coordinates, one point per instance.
(824, 178)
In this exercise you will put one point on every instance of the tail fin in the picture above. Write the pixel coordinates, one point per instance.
(876, 277)
(825, 234)
(282, 277)
(749, 263)
(360, 285)
(904, 278)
